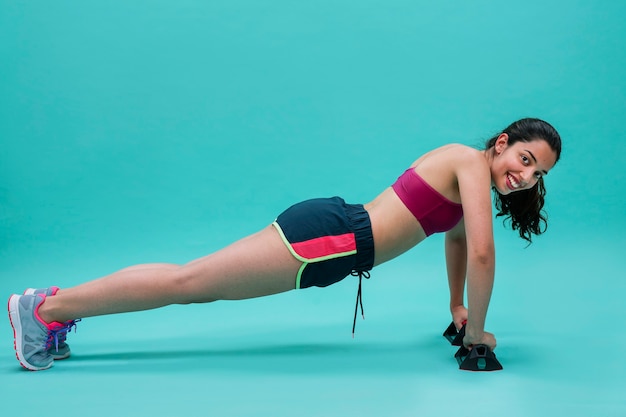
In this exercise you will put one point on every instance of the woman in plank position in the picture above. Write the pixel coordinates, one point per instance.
(319, 242)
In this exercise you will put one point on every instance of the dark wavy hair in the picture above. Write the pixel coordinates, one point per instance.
(524, 209)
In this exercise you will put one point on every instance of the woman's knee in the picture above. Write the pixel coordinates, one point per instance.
(190, 287)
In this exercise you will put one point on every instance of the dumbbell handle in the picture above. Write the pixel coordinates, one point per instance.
(479, 358)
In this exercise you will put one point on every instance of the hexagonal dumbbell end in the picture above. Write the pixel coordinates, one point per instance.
(454, 336)
(480, 358)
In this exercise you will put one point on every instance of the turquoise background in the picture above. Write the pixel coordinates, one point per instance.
(135, 132)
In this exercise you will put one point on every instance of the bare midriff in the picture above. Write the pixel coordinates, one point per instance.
(395, 229)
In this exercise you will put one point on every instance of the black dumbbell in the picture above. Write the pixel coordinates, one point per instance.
(480, 358)
(454, 336)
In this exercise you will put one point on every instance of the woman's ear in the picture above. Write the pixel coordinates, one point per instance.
(501, 143)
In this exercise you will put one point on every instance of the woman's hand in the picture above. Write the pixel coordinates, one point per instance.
(459, 316)
(485, 339)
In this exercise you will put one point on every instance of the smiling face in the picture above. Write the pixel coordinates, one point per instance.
(520, 165)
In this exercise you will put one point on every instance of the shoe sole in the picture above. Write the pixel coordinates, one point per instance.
(59, 357)
(14, 318)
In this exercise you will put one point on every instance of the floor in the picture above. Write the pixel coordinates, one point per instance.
(134, 135)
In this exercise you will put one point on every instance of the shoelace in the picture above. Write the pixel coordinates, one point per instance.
(60, 333)
(359, 296)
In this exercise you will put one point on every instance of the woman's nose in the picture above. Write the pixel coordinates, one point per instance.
(527, 176)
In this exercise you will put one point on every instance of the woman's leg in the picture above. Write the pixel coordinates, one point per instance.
(255, 266)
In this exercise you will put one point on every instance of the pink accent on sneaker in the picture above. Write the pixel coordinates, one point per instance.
(55, 325)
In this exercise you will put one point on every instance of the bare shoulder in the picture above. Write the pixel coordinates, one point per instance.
(444, 168)
(453, 159)
(470, 166)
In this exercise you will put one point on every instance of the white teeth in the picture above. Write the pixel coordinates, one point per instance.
(514, 183)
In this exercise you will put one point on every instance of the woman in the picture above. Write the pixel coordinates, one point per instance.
(319, 242)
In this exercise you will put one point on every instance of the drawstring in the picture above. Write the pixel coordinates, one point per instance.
(359, 297)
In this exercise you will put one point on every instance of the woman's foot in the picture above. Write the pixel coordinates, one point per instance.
(62, 350)
(34, 337)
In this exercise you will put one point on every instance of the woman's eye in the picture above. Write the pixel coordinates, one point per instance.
(525, 160)
(538, 175)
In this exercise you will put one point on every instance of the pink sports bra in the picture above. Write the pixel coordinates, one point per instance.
(434, 212)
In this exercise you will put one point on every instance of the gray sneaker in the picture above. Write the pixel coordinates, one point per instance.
(62, 350)
(33, 337)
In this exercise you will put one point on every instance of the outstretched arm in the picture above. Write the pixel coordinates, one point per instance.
(474, 179)
(456, 265)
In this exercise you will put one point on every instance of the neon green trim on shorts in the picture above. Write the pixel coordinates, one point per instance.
(309, 260)
(299, 276)
(288, 244)
(306, 261)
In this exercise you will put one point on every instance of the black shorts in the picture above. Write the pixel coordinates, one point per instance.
(331, 238)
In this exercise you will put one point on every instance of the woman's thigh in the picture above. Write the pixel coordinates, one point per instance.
(255, 266)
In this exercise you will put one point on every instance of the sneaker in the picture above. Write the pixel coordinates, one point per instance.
(33, 336)
(62, 351)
